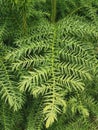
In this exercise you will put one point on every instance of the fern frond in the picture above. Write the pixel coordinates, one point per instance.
(35, 117)
(30, 61)
(35, 78)
(27, 49)
(53, 101)
(78, 28)
(72, 69)
(71, 82)
(55, 63)
(9, 90)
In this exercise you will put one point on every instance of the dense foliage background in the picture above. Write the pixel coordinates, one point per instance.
(48, 64)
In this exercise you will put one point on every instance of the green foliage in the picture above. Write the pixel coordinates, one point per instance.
(8, 118)
(48, 71)
(8, 87)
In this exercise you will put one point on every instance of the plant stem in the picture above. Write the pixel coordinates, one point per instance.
(53, 15)
(53, 18)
